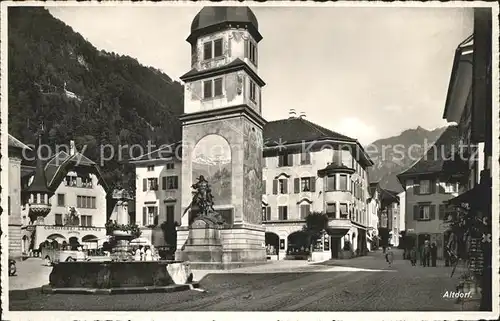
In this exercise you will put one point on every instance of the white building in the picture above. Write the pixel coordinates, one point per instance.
(79, 189)
(158, 193)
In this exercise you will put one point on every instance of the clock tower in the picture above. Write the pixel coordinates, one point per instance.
(222, 130)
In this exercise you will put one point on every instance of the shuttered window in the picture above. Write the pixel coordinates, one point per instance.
(283, 186)
(266, 213)
(305, 210)
(282, 213)
(442, 209)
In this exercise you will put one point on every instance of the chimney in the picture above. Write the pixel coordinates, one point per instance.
(292, 113)
(302, 115)
(71, 148)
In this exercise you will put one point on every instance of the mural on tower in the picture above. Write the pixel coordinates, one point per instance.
(252, 169)
(211, 158)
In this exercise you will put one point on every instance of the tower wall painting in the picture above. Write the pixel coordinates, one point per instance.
(211, 158)
(252, 169)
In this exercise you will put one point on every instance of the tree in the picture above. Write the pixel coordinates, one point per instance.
(315, 226)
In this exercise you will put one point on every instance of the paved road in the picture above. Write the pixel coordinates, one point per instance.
(361, 284)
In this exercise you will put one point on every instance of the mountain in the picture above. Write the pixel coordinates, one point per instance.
(94, 97)
(395, 154)
(207, 160)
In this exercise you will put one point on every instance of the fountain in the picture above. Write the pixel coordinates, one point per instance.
(120, 274)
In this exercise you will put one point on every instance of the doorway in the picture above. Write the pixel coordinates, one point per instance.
(335, 247)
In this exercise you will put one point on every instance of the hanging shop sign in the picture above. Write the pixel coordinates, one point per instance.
(72, 228)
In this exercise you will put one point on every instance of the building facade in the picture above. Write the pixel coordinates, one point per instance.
(469, 103)
(373, 216)
(158, 192)
(78, 209)
(427, 192)
(14, 203)
(317, 170)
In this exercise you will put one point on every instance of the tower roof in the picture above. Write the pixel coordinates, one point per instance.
(39, 184)
(211, 18)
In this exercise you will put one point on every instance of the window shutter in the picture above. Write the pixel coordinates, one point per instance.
(268, 213)
(256, 55)
(290, 159)
(432, 214)
(144, 216)
(285, 187)
(163, 183)
(246, 48)
(280, 160)
(441, 211)
(155, 217)
(439, 190)
(433, 186)
(296, 184)
(264, 192)
(416, 214)
(275, 186)
(313, 184)
(416, 188)
(144, 185)
(176, 182)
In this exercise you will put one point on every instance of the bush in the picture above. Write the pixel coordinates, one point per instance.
(132, 228)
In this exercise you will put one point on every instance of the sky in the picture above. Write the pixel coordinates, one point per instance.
(368, 73)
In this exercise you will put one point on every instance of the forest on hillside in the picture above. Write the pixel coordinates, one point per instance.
(84, 94)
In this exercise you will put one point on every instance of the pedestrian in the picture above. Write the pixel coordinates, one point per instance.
(148, 254)
(433, 253)
(389, 256)
(413, 256)
(141, 248)
(137, 256)
(427, 254)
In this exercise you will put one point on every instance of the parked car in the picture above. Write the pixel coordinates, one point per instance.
(55, 255)
(12, 267)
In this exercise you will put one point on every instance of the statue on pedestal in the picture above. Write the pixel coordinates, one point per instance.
(202, 203)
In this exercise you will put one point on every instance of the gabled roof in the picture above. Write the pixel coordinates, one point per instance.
(432, 161)
(296, 130)
(59, 165)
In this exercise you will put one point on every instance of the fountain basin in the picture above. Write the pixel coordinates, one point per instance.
(119, 277)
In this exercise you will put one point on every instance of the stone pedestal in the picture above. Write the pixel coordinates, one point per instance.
(121, 249)
(208, 247)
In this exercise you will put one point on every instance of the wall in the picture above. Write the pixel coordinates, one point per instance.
(235, 91)
(14, 205)
(252, 171)
(70, 196)
(432, 226)
(233, 47)
(230, 130)
(235, 85)
(402, 211)
(319, 198)
(160, 198)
